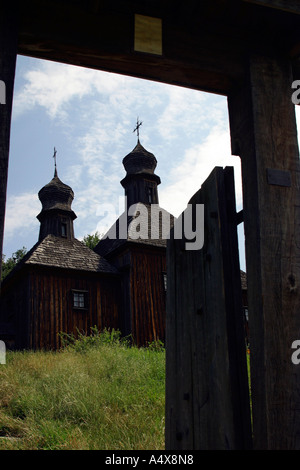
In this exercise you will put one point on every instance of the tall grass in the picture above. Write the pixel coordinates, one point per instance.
(95, 393)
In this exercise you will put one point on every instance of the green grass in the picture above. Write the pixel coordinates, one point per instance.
(97, 393)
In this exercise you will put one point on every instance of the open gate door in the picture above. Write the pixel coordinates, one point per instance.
(207, 392)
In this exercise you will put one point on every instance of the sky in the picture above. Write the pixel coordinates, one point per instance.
(89, 117)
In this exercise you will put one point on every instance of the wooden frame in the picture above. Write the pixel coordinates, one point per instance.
(248, 51)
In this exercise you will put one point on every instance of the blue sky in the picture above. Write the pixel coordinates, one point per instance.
(89, 116)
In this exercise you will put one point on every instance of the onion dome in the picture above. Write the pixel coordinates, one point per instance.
(56, 216)
(56, 195)
(139, 160)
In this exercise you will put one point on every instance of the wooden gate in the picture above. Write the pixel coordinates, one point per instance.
(207, 392)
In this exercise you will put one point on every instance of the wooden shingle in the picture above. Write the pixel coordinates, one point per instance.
(68, 254)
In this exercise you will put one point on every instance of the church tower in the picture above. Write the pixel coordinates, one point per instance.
(136, 245)
(140, 182)
(56, 216)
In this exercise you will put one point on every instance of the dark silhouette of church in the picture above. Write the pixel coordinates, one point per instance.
(63, 286)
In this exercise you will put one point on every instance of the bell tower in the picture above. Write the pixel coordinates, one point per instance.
(56, 216)
(140, 182)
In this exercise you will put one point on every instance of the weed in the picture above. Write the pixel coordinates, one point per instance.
(95, 393)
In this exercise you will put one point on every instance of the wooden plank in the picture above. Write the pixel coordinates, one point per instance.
(264, 134)
(147, 308)
(207, 400)
(234, 310)
(8, 52)
(202, 42)
(291, 6)
(106, 42)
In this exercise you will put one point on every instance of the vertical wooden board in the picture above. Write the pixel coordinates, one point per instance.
(41, 311)
(152, 269)
(133, 301)
(264, 134)
(125, 309)
(171, 343)
(35, 310)
(234, 317)
(179, 331)
(8, 54)
(184, 431)
(61, 306)
(50, 292)
(159, 296)
(98, 312)
(216, 367)
(55, 312)
(69, 308)
(31, 313)
(58, 311)
(174, 431)
(25, 307)
(202, 392)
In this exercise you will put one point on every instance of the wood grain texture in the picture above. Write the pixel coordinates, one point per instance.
(263, 131)
(207, 401)
(291, 6)
(41, 302)
(148, 308)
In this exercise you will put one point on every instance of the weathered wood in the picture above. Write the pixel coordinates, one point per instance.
(148, 309)
(8, 53)
(263, 133)
(106, 41)
(207, 398)
(41, 302)
(204, 45)
(291, 6)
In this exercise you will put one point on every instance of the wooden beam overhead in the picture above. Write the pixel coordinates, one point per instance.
(292, 6)
(199, 45)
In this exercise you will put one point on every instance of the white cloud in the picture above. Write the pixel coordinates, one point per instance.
(198, 162)
(187, 130)
(97, 112)
(53, 86)
(21, 212)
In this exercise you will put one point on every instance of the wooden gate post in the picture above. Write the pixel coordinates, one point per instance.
(207, 395)
(263, 133)
(8, 54)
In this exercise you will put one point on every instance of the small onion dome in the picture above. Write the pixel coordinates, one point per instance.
(139, 160)
(56, 195)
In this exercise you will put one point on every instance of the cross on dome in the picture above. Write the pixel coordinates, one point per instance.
(137, 128)
(54, 156)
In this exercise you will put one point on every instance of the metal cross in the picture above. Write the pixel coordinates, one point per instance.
(54, 156)
(137, 128)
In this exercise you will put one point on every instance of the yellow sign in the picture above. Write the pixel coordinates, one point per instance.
(148, 34)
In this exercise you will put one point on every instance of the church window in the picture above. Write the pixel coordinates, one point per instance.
(63, 229)
(150, 194)
(80, 299)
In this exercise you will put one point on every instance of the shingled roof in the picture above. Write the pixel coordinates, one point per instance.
(68, 254)
(57, 252)
(116, 238)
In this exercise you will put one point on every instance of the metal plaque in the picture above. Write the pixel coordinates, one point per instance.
(148, 34)
(279, 177)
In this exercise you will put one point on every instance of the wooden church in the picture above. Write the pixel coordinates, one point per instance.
(136, 246)
(63, 286)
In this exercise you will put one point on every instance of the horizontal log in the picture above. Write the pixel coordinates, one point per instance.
(203, 43)
(292, 6)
